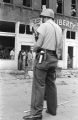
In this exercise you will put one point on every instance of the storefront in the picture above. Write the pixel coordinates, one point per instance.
(70, 42)
(18, 36)
(13, 36)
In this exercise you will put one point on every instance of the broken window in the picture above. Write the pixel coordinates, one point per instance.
(27, 3)
(7, 26)
(8, 1)
(60, 6)
(73, 7)
(70, 35)
(28, 31)
(44, 4)
(24, 29)
(7, 44)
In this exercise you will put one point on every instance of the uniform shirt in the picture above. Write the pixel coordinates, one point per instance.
(51, 34)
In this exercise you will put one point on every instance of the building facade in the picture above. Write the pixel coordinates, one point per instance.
(16, 32)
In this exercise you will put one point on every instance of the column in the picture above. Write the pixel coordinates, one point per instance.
(17, 42)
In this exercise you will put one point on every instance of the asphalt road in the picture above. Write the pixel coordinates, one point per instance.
(15, 96)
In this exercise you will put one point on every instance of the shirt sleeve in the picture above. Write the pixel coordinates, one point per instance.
(39, 43)
(41, 29)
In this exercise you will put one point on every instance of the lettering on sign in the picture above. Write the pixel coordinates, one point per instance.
(67, 23)
(35, 23)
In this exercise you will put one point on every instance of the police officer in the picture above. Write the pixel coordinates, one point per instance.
(46, 48)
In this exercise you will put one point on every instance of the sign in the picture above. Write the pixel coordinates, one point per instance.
(35, 23)
(66, 22)
(62, 21)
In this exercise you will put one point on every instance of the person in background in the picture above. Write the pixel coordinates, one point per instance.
(26, 66)
(48, 44)
(24, 59)
(12, 54)
(1, 53)
(20, 60)
(30, 57)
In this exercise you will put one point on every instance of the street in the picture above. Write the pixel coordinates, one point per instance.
(15, 97)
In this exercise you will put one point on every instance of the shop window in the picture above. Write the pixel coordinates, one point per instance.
(24, 29)
(73, 7)
(27, 3)
(8, 1)
(70, 35)
(44, 4)
(28, 31)
(7, 44)
(7, 26)
(60, 6)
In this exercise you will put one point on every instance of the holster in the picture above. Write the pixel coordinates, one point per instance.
(49, 60)
(38, 54)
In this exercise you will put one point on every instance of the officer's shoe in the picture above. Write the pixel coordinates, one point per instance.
(38, 117)
(47, 111)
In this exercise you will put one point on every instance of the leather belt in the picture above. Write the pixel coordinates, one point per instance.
(50, 51)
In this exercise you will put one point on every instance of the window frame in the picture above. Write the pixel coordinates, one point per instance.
(62, 12)
(70, 35)
(10, 1)
(25, 4)
(7, 49)
(73, 7)
(24, 29)
(46, 3)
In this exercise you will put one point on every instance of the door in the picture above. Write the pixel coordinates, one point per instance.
(25, 47)
(70, 57)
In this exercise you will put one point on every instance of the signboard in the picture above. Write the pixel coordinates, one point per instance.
(65, 22)
(35, 23)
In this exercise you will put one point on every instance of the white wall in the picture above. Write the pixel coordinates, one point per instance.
(8, 64)
(66, 43)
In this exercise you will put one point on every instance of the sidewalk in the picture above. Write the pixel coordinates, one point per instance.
(15, 97)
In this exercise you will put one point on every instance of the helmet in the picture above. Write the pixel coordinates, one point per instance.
(47, 13)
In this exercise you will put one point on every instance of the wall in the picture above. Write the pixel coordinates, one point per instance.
(8, 64)
(17, 2)
(76, 50)
(67, 7)
(11, 12)
(36, 4)
(52, 4)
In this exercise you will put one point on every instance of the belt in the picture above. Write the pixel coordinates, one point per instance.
(47, 51)
(50, 51)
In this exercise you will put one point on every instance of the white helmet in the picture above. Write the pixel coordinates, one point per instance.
(47, 13)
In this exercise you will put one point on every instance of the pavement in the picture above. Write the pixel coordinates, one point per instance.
(15, 96)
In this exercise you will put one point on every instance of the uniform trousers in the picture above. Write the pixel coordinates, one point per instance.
(44, 80)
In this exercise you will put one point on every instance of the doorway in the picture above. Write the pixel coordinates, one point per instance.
(70, 57)
(25, 47)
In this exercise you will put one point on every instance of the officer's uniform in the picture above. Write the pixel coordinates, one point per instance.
(44, 73)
